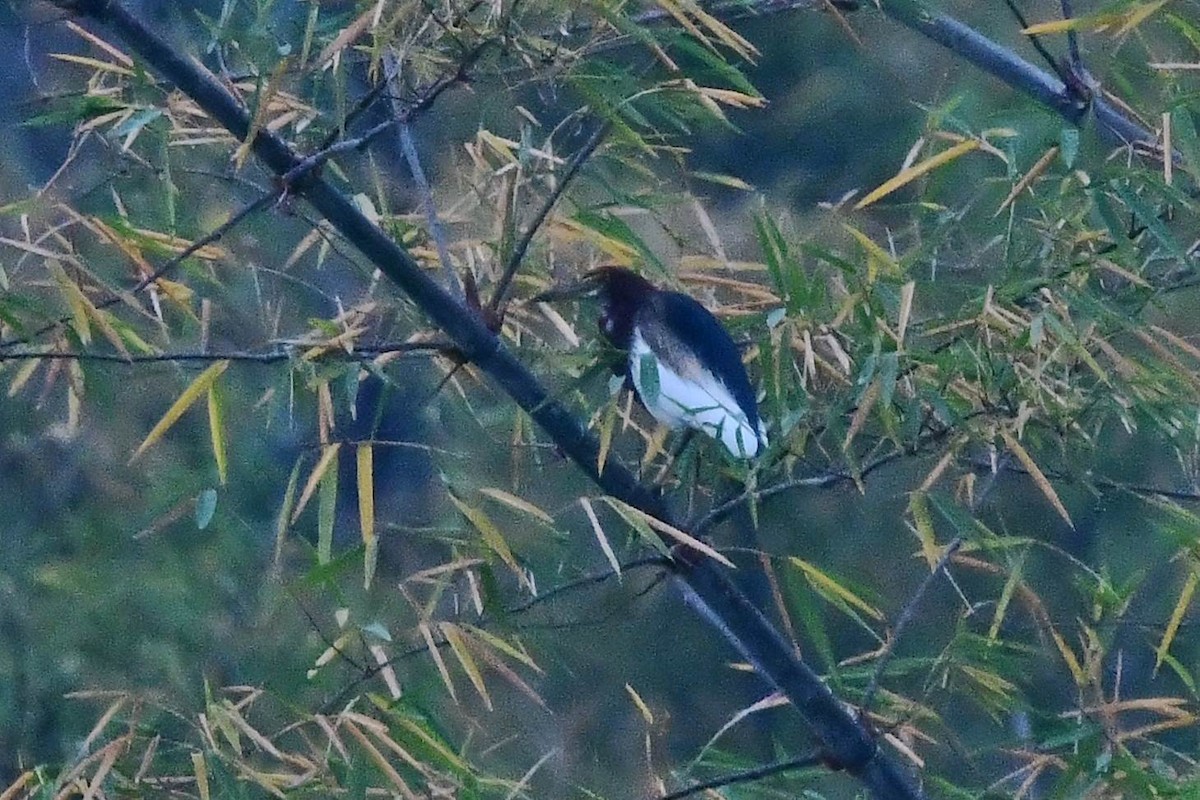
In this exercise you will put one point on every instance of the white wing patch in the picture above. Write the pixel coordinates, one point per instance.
(701, 402)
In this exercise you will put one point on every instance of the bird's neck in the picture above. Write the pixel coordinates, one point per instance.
(617, 320)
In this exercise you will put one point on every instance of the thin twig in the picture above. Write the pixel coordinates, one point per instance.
(811, 760)
(1036, 41)
(591, 579)
(906, 616)
(268, 357)
(522, 245)
(1072, 39)
(822, 480)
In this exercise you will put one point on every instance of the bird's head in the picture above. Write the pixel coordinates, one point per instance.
(621, 291)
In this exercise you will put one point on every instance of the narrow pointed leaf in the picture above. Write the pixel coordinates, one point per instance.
(491, 535)
(631, 514)
(285, 511)
(366, 510)
(190, 395)
(1039, 478)
(328, 452)
(512, 501)
(906, 176)
(1181, 606)
(216, 431)
(327, 510)
(597, 529)
(458, 646)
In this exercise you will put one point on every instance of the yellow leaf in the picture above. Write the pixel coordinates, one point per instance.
(906, 176)
(200, 768)
(216, 431)
(600, 537)
(23, 375)
(366, 510)
(876, 255)
(259, 120)
(76, 300)
(190, 395)
(1181, 606)
(327, 511)
(519, 504)
(630, 513)
(458, 646)
(1028, 178)
(491, 536)
(643, 709)
(1039, 477)
(92, 63)
(989, 680)
(381, 761)
(1136, 16)
(503, 646)
(449, 756)
(1077, 672)
(827, 585)
(1094, 22)
(436, 655)
(918, 506)
(328, 452)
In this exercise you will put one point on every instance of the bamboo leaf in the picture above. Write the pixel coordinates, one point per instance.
(76, 300)
(1039, 477)
(492, 537)
(630, 514)
(458, 646)
(206, 506)
(918, 506)
(262, 103)
(190, 395)
(1181, 606)
(327, 510)
(605, 547)
(830, 588)
(518, 503)
(285, 512)
(366, 510)
(1006, 595)
(216, 431)
(1068, 656)
(436, 655)
(503, 646)
(200, 770)
(906, 176)
(876, 256)
(328, 452)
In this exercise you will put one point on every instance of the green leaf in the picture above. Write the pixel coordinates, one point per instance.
(1184, 130)
(74, 110)
(136, 122)
(648, 377)
(326, 508)
(206, 506)
(1068, 144)
(1147, 215)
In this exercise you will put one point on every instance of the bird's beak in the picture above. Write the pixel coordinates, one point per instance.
(586, 286)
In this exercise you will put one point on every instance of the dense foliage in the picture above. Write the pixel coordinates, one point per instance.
(270, 531)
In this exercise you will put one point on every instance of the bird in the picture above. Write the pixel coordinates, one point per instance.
(682, 363)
